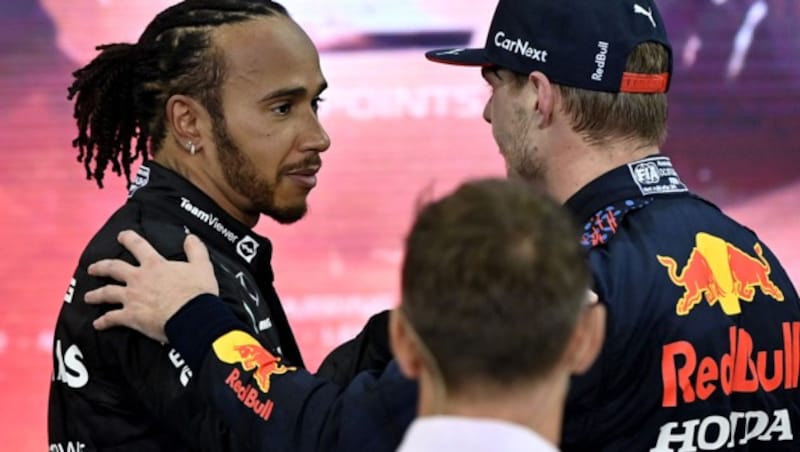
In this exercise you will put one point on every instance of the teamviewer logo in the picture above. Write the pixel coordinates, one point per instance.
(247, 248)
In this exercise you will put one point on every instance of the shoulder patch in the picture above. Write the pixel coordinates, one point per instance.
(599, 229)
(142, 179)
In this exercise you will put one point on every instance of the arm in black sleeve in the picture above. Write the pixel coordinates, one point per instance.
(369, 350)
(276, 407)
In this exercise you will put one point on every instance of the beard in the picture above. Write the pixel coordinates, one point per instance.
(240, 174)
(523, 159)
(522, 163)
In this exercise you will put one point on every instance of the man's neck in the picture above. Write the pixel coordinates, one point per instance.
(574, 163)
(205, 182)
(538, 406)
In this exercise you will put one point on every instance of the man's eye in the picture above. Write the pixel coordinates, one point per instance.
(315, 103)
(282, 109)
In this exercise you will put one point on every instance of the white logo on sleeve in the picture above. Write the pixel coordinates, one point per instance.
(70, 291)
(69, 366)
(177, 361)
(69, 446)
(142, 178)
(638, 9)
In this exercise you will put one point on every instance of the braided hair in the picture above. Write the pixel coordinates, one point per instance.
(122, 93)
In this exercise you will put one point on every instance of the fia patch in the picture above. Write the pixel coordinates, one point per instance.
(656, 176)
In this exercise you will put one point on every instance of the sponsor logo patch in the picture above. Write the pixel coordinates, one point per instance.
(720, 273)
(716, 432)
(142, 178)
(209, 219)
(656, 175)
(647, 12)
(247, 248)
(243, 351)
(70, 368)
(520, 47)
(690, 378)
(69, 446)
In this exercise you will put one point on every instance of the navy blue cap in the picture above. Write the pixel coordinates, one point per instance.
(578, 43)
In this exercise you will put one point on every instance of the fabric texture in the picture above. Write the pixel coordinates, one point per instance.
(445, 433)
(702, 321)
(120, 390)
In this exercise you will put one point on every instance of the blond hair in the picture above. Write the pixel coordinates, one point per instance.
(601, 116)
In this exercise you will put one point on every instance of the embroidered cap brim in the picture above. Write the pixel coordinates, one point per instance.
(578, 43)
(460, 57)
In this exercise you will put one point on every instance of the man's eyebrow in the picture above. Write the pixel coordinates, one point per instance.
(293, 91)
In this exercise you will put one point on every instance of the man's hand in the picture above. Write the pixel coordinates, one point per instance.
(155, 290)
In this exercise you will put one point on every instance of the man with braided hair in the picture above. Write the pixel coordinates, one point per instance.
(219, 99)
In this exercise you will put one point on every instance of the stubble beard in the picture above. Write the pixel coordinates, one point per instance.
(523, 158)
(241, 175)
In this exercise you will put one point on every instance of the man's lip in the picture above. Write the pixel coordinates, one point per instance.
(310, 171)
(306, 180)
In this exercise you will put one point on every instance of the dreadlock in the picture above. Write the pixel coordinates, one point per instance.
(121, 94)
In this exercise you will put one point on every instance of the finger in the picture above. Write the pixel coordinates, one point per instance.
(138, 246)
(110, 319)
(112, 268)
(195, 250)
(110, 293)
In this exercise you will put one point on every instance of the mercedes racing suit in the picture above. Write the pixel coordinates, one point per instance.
(117, 390)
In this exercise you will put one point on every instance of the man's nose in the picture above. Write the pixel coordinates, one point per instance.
(317, 139)
(487, 115)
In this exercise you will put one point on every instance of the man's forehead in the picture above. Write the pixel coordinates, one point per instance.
(273, 47)
(230, 36)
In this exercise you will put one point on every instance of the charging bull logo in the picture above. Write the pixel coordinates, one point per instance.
(720, 272)
(238, 347)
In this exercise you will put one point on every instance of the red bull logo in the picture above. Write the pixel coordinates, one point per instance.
(689, 377)
(719, 272)
(238, 347)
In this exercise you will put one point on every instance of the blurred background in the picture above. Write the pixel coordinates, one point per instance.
(402, 129)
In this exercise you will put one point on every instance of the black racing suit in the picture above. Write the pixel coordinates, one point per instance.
(120, 391)
(702, 348)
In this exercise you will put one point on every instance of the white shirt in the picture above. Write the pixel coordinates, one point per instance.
(464, 434)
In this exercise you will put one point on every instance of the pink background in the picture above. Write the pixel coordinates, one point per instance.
(402, 130)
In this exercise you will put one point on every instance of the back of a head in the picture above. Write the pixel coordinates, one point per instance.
(121, 95)
(493, 281)
(611, 60)
(642, 117)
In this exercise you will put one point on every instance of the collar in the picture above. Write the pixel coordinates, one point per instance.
(159, 187)
(437, 433)
(600, 205)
